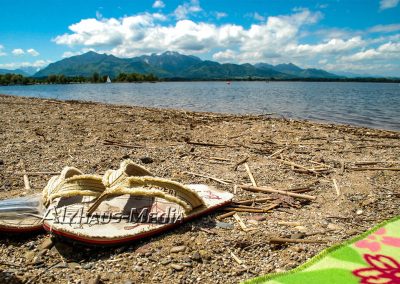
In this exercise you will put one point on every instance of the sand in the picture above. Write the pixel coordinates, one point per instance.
(46, 135)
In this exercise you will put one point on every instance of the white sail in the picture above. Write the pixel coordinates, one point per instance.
(108, 79)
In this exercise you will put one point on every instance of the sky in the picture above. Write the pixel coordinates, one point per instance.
(357, 36)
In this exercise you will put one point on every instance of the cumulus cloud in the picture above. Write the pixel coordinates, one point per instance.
(15, 65)
(258, 17)
(18, 51)
(277, 39)
(384, 51)
(388, 4)
(158, 4)
(2, 53)
(385, 28)
(33, 52)
(186, 9)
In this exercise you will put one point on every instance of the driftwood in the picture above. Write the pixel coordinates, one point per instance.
(271, 190)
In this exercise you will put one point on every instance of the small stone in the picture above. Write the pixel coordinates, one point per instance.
(37, 260)
(352, 232)
(335, 227)
(196, 256)
(1, 162)
(138, 268)
(87, 266)
(178, 249)
(205, 254)
(165, 261)
(253, 222)
(176, 267)
(187, 264)
(301, 229)
(146, 160)
(95, 280)
(29, 255)
(359, 212)
(224, 225)
(73, 265)
(258, 217)
(128, 282)
(297, 236)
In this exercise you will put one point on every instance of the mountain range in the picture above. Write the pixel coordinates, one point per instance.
(175, 65)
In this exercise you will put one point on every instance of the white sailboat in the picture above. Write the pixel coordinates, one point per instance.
(108, 79)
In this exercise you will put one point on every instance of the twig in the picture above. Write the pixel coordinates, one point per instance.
(26, 182)
(240, 221)
(375, 169)
(226, 215)
(277, 152)
(297, 166)
(336, 187)
(121, 144)
(253, 181)
(209, 144)
(255, 210)
(209, 177)
(239, 163)
(271, 190)
(277, 240)
(256, 200)
(236, 258)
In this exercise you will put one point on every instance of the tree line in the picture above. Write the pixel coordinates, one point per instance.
(17, 79)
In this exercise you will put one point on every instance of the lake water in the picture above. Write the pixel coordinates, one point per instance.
(375, 105)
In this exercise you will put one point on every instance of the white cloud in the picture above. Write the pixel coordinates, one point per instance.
(278, 39)
(188, 8)
(16, 65)
(388, 4)
(2, 53)
(221, 15)
(384, 51)
(18, 51)
(258, 17)
(158, 4)
(385, 28)
(33, 52)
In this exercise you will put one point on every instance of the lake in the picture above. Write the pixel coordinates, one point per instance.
(375, 105)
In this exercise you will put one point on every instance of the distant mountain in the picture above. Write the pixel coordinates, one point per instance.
(174, 65)
(296, 71)
(15, 71)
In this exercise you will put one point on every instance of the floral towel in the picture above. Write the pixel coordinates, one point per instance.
(371, 258)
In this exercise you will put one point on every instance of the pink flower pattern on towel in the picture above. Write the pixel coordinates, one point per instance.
(373, 242)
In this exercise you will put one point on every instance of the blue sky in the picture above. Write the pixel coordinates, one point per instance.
(356, 36)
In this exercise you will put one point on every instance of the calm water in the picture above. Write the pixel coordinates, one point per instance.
(364, 104)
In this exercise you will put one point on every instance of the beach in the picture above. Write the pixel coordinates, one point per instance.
(352, 172)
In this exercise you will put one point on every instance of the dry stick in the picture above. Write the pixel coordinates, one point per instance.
(277, 240)
(209, 144)
(342, 167)
(249, 210)
(336, 187)
(240, 221)
(278, 152)
(114, 143)
(272, 206)
(226, 215)
(297, 166)
(239, 163)
(253, 181)
(375, 169)
(251, 201)
(26, 178)
(236, 258)
(209, 177)
(271, 190)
